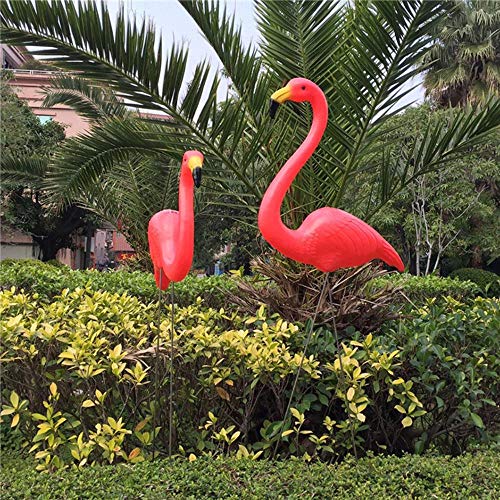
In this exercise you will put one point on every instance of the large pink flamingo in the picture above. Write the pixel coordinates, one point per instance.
(329, 238)
(171, 232)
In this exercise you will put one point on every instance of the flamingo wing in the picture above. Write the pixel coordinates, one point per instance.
(163, 232)
(335, 239)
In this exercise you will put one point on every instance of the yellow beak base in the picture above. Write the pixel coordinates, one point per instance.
(195, 162)
(282, 95)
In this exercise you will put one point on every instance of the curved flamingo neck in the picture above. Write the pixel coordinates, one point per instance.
(184, 248)
(270, 223)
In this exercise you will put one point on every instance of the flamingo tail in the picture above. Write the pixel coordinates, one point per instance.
(163, 281)
(391, 257)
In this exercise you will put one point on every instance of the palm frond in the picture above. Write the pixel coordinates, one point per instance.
(241, 64)
(84, 161)
(23, 171)
(124, 56)
(87, 99)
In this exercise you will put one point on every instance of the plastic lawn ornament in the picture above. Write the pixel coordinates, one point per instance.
(171, 244)
(329, 238)
(171, 232)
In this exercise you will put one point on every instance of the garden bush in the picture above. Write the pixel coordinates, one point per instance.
(79, 382)
(488, 282)
(420, 288)
(450, 352)
(470, 476)
(48, 280)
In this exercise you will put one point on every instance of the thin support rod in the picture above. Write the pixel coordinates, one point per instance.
(171, 384)
(306, 345)
(157, 364)
(342, 380)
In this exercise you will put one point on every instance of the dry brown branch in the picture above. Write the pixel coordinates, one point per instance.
(293, 290)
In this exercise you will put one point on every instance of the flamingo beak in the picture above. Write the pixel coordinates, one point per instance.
(195, 164)
(279, 97)
(197, 176)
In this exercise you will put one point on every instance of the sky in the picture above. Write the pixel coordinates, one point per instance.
(175, 24)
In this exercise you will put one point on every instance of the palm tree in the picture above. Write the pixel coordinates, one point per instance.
(361, 55)
(464, 63)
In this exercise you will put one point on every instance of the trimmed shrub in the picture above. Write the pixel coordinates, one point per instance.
(488, 282)
(48, 281)
(420, 288)
(471, 476)
(450, 352)
(79, 380)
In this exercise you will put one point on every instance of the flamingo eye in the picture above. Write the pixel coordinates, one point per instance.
(303, 87)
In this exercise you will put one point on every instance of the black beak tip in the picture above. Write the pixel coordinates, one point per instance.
(197, 177)
(273, 107)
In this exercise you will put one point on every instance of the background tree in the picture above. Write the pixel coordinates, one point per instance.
(464, 62)
(446, 219)
(26, 145)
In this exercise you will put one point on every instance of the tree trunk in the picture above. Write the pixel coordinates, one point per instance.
(71, 220)
(88, 245)
(48, 247)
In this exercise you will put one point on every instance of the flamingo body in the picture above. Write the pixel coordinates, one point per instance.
(334, 239)
(162, 234)
(329, 238)
(171, 232)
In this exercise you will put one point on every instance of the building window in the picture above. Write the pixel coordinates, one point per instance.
(44, 119)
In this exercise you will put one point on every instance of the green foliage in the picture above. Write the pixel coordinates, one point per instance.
(488, 282)
(472, 475)
(450, 214)
(21, 133)
(48, 281)
(420, 288)
(463, 64)
(451, 355)
(92, 354)
(98, 398)
(26, 145)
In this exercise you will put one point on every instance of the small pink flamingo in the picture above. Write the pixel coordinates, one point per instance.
(171, 232)
(329, 238)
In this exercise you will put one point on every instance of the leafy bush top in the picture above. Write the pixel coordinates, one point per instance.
(48, 281)
(80, 380)
(93, 357)
(420, 288)
(488, 282)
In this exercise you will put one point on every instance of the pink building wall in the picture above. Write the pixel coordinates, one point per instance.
(13, 57)
(28, 85)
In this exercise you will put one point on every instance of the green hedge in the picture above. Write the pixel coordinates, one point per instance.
(48, 280)
(467, 476)
(431, 380)
(488, 282)
(450, 351)
(420, 288)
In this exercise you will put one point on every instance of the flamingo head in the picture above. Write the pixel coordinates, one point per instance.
(194, 161)
(296, 90)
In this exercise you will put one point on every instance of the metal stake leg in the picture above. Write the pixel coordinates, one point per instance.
(171, 395)
(306, 344)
